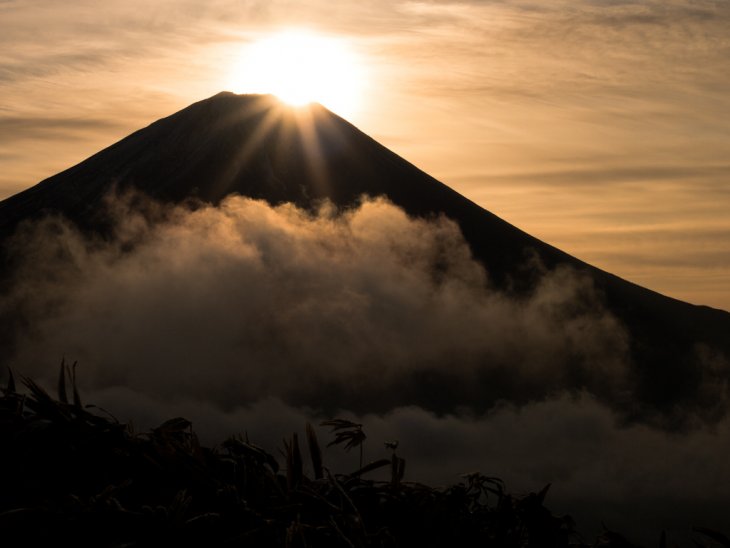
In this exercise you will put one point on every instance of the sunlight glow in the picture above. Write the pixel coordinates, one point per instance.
(301, 67)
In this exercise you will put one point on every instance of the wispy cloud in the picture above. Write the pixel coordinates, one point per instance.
(14, 129)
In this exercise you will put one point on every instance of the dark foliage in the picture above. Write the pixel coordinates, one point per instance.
(80, 478)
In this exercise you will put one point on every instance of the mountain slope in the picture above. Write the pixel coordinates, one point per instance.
(257, 147)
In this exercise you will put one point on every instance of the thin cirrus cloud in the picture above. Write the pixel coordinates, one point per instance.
(14, 129)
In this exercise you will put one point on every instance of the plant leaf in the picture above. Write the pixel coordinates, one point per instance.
(62, 382)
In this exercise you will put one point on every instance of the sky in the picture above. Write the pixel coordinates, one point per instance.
(597, 126)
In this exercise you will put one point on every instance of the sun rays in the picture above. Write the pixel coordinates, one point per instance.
(287, 132)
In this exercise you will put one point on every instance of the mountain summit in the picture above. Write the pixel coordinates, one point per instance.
(257, 147)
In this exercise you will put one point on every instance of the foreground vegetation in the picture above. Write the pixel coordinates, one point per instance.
(73, 475)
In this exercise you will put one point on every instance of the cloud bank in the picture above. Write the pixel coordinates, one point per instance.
(367, 310)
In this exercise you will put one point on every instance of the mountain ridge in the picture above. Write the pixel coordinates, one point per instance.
(257, 147)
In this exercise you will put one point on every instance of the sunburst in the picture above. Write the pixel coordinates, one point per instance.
(301, 67)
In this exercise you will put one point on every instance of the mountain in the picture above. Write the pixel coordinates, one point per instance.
(255, 146)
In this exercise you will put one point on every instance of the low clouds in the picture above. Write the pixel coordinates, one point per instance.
(368, 309)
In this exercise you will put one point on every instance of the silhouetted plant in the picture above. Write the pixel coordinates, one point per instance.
(397, 464)
(315, 453)
(347, 432)
(69, 372)
(75, 477)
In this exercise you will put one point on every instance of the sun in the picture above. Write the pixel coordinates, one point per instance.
(301, 67)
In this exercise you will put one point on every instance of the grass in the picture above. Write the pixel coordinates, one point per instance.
(72, 475)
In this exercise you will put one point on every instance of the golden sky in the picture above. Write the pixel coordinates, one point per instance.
(599, 126)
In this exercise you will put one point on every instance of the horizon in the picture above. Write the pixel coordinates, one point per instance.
(592, 127)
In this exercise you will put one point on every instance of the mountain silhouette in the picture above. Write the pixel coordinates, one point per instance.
(255, 146)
